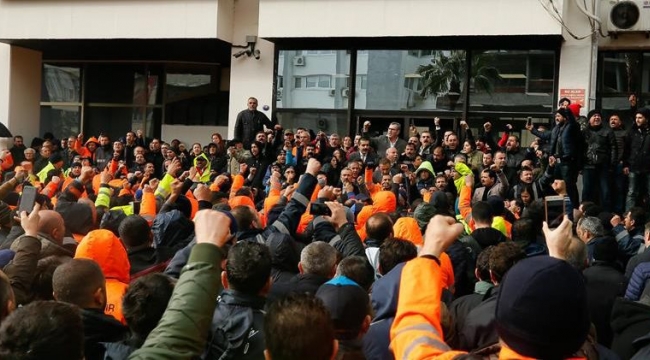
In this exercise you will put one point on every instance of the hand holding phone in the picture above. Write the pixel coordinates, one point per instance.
(317, 209)
(27, 199)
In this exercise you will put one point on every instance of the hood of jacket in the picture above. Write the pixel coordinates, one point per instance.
(488, 236)
(107, 250)
(77, 217)
(407, 228)
(626, 313)
(172, 229)
(205, 175)
(384, 201)
(285, 252)
(426, 165)
(385, 292)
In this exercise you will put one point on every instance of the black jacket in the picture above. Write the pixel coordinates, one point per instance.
(563, 139)
(636, 260)
(299, 284)
(98, 329)
(637, 149)
(460, 309)
(601, 146)
(142, 259)
(630, 321)
(248, 124)
(605, 282)
(479, 329)
(237, 327)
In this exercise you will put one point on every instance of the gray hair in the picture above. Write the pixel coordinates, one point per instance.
(576, 254)
(318, 258)
(593, 225)
(396, 124)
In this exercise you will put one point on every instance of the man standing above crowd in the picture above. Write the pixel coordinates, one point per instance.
(249, 122)
(391, 140)
(635, 158)
(564, 148)
(600, 157)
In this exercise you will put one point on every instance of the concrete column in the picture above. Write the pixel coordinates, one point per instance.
(20, 90)
(576, 56)
(5, 55)
(248, 76)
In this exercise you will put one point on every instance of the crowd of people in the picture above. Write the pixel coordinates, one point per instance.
(290, 244)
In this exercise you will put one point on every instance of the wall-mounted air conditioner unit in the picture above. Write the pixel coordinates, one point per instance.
(332, 92)
(299, 60)
(278, 94)
(345, 92)
(625, 16)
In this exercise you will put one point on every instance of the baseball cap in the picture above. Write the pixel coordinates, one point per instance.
(347, 303)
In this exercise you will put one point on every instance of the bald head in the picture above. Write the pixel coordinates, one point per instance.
(379, 227)
(51, 223)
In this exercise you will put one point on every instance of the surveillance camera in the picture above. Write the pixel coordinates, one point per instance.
(256, 53)
(240, 54)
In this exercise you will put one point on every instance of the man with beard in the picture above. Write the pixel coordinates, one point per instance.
(601, 157)
(104, 152)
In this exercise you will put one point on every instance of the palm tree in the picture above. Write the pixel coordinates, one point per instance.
(446, 73)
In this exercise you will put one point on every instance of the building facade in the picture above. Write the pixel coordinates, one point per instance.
(184, 69)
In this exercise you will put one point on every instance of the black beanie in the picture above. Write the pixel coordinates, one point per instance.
(593, 112)
(55, 158)
(645, 112)
(542, 308)
(565, 113)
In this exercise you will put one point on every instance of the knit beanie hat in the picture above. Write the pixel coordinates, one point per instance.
(542, 308)
(593, 112)
(567, 114)
(645, 112)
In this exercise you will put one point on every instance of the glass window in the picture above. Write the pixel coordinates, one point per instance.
(62, 121)
(61, 84)
(517, 81)
(116, 84)
(620, 73)
(312, 81)
(327, 122)
(411, 79)
(313, 71)
(193, 97)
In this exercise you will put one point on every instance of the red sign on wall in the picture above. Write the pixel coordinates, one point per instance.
(575, 95)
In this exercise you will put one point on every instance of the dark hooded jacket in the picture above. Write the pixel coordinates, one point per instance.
(285, 256)
(172, 231)
(99, 329)
(630, 321)
(605, 282)
(384, 304)
(479, 329)
(237, 327)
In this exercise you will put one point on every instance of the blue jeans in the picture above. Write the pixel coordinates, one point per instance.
(595, 185)
(619, 182)
(638, 188)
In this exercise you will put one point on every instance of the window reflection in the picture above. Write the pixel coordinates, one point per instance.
(60, 120)
(61, 84)
(331, 123)
(316, 79)
(620, 73)
(518, 81)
